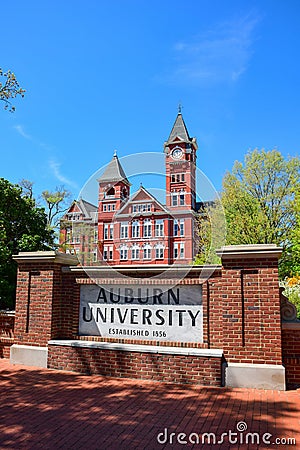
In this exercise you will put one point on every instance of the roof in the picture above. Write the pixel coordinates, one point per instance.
(179, 130)
(87, 209)
(114, 171)
(146, 197)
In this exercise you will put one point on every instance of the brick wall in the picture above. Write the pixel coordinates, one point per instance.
(7, 321)
(38, 303)
(241, 314)
(5, 344)
(40, 297)
(291, 353)
(148, 366)
(248, 296)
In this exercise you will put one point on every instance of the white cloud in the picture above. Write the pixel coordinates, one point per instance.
(217, 55)
(55, 168)
(21, 131)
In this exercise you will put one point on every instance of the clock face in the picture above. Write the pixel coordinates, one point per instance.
(177, 153)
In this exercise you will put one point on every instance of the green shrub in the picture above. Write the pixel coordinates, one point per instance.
(292, 291)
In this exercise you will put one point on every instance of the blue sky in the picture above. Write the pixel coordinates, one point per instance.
(105, 75)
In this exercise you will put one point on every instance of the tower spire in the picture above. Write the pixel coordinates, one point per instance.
(179, 129)
(114, 172)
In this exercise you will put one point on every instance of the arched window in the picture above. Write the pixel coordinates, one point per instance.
(123, 252)
(135, 252)
(159, 251)
(124, 192)
(147, 249)
(111, 192)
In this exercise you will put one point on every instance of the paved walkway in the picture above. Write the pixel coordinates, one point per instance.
(46, 409)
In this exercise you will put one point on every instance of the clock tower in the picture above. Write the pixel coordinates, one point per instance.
(180, 150)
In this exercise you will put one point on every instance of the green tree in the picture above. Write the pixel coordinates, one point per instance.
(290, 261)
(259, 199)
(9, 89)
(243, 214)
(57, 203)
(211, 232)
(23, 227)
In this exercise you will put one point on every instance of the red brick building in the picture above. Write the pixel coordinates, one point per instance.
(138, 229)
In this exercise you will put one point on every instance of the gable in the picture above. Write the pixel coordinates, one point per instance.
(142, 196)
(74, 208)
(143, 204)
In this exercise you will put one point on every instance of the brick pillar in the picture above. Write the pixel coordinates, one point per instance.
(38, 304)
(250, 298)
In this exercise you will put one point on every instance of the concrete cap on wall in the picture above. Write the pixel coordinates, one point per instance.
(46, 256)
(249, 251)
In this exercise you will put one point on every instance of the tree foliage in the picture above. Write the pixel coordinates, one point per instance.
(57, 203)
(211, 232)
(292, 291)
(9, 89)
(23, 227)
(290, 260)
(261, 201)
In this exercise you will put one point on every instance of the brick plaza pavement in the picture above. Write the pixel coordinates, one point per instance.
(46, 409)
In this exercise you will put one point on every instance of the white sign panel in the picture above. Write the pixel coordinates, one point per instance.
(142, 312)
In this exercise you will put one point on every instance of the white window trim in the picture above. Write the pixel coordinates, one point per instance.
(159, 228)
(123, 253)
(135, 229)
(147, 228)
(159, 247)
(124, 230)
(135, 249)
(148, 249)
